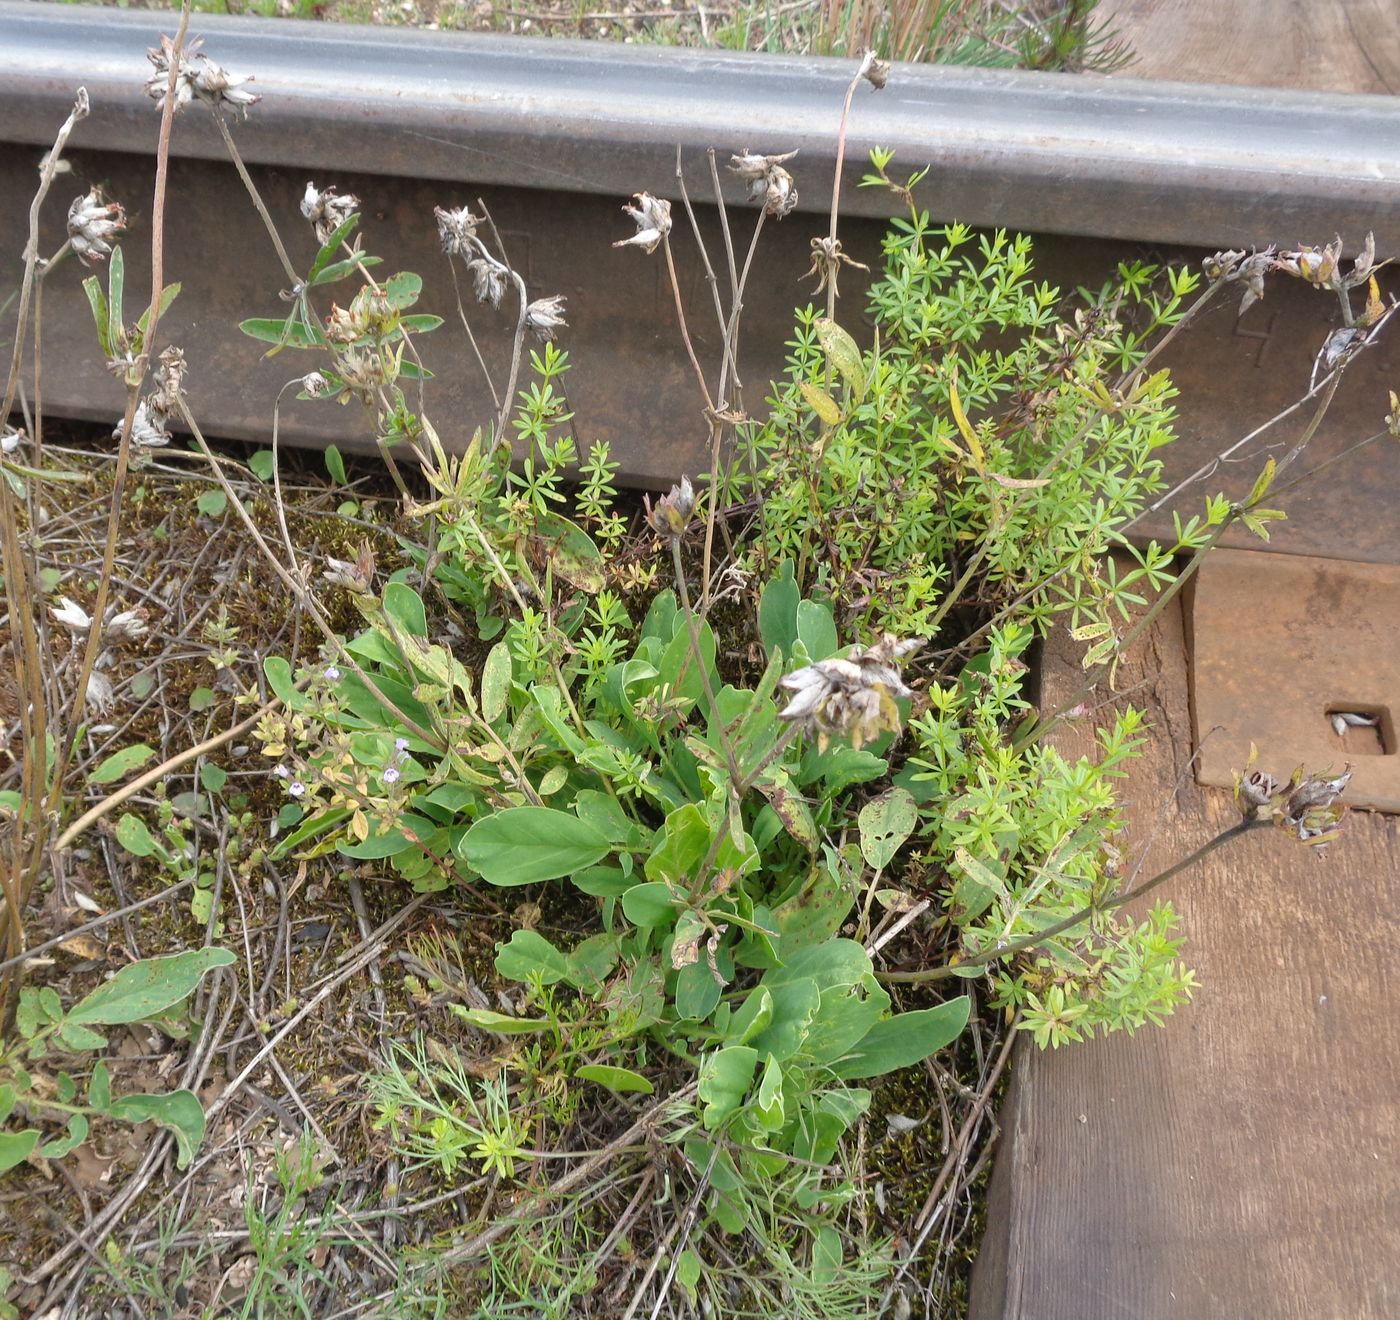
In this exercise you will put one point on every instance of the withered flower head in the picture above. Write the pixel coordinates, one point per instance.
(356, 576)
(326, 209)
(488, 280)
(853, 697)
(875, 71)
(170, 380)
(1316, 265)
(71, 615)
(1254, 790)
(10, 440)
(1312, 811)
(198, 78)
(456, 229)
(767, 180)
(125, 626)
(92, 223)
(314, 385)
(670, 515)
(827, 260)
(342, 325)
(1235, 267)
(546, 315)
(652, 216)
(147, 428)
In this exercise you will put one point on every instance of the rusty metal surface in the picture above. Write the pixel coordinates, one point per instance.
(1277, 644)
(1051, 153)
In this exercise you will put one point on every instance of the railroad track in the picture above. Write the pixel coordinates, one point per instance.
(555, 134)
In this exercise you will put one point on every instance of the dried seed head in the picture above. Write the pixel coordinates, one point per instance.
(101, 695)
(197, 78)
(488, 280)
(342, 325)
(853, 697)
(315, 385)
(767, 181)
(546, 315)
(456, 229)
(170, 380)
(1254, 791)
(652, 216)
(1312, 810)
(327, 209)
(92, 223)
(875, 71)
(827, 260)
(127, 626)
(1364, 264)
(1318, 266)
(670, 515)
(1235, 267)
(356, 576)
(147, 430)
(71, 615)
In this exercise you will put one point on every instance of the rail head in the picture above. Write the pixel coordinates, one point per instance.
(1050, 153)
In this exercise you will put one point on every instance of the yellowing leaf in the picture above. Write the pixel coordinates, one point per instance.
(1017, 483)
(842, 353)
(974, 445)
(821, 403)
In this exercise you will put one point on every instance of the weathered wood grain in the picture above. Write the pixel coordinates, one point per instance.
(1241, 1162)
(1312, 45)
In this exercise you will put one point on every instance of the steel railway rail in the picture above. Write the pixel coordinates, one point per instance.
(554, 134)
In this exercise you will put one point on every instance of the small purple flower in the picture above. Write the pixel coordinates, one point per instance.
(333, 673)
(296, 788)
(391, 775)
(401, 745)
(280, 771)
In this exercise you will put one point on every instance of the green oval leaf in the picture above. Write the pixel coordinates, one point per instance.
(405, 607)
(522, 845)
(15, 1147)
(615, 1079)
(885, 823)
(905, 1039)
(529, 954)
(120, 764)
(133, 835)
(502, 1024)
(148, 987)
(180, 1112)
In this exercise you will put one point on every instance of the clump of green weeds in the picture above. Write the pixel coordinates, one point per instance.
(744, 845)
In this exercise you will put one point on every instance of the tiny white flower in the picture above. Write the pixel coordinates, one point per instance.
(391, 775)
